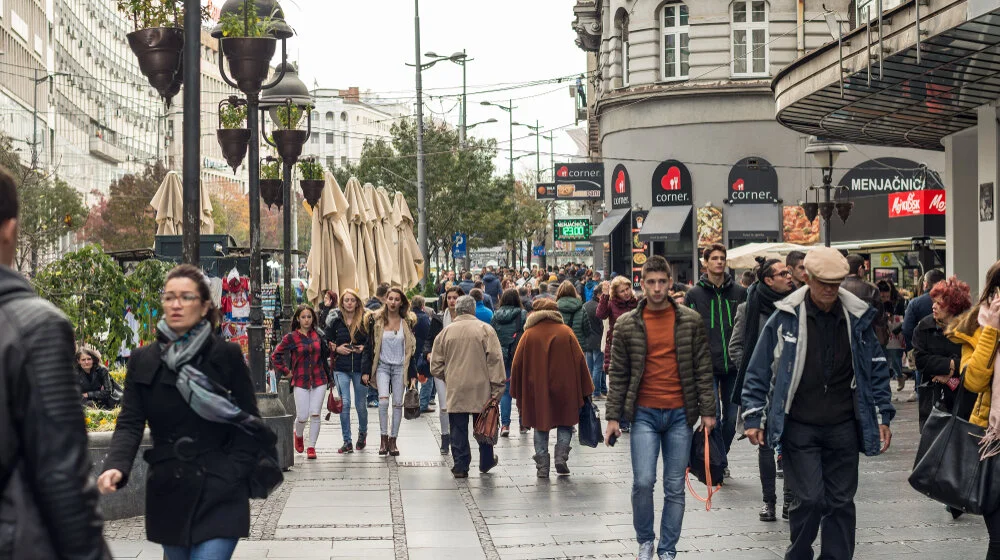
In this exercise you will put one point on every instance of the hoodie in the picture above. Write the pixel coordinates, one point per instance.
(575, 317)
(492, 286)
(717, 306)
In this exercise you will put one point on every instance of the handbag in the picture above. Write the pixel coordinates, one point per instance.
(704, 458)
(947, 467)
(411, 404)
(486, 428)
(334, 404)
(590, 424)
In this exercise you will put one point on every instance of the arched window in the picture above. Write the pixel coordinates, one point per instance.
(621, 22)
(343, 116)
(330, 116)
(674, 27)
(749, 27)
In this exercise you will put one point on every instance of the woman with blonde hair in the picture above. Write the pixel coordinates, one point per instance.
(346, 335)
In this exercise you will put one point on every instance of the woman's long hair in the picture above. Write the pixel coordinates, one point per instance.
(969, 321)
(358, 323)
(296, 325)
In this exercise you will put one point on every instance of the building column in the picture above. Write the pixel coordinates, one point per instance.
(988, 133)
(961, 183)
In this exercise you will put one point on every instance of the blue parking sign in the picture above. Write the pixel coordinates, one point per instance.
(459, 243)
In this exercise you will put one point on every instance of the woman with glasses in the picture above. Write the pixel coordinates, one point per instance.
(302, 356)
(197, 489)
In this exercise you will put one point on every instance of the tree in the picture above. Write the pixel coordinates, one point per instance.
(49, 208)
(231, 213)
(144, 286)
(127, 221)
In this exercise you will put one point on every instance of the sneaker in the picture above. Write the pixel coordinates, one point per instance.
(668, 556)
(300, 445)
(900, 383)
(428, 409)
(460, 474)
(524, 430)
(362, 441)
(311, 453)
(625, 429)
(346, 448)
(781, 470)
(645, 551)
(432, 401)
(505, 431)
(767, 513)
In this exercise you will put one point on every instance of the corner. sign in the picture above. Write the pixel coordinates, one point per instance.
(672, 184)
(753, 180)
(579, 181)
(621, 188)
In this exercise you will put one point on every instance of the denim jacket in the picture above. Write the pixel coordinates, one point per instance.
(775, 370)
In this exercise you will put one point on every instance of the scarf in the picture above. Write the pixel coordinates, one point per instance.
(760, 300)
(208, 399)
(989, 445)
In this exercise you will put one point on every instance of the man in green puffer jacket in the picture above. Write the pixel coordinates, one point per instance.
(573, 314)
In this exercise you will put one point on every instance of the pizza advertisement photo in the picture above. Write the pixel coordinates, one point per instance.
(709, 226)
(797, 228)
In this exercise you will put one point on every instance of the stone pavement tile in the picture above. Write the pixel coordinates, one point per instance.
(125, 549)
(426, 478)
(335, 514)
(442, 539)
(384, 532)
(450, 521)
(752, 554)
(457, 553)
(964, 527)
(302, 498)
(885, 550)
(524, 539)
(951, 548)
(301, 549)
(532, 553)
(517, 529)
(722, 542)
(594, 548)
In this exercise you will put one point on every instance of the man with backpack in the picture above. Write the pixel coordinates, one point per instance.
(48, 498)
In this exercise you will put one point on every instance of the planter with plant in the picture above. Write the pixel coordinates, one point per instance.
(270, 182)
(248, 44)
(232, 133)
(312, 181)
(288, 138)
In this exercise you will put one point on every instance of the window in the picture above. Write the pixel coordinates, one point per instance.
(329, 116)
(343, 161)
(675, 41)
(331, 162)
(329, 138)
(622, 23)
(750, 53)
(343, 138)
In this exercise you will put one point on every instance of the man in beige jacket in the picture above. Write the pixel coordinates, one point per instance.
(467, 356)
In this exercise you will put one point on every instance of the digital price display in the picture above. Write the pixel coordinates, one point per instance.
(573, 229)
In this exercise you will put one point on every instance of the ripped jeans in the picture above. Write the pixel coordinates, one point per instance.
(390, 382)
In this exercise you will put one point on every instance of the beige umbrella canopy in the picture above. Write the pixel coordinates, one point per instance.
(411, 261)
(384, 257)
(331, 259)
(389, 223)
(169, 205)
(359, 227)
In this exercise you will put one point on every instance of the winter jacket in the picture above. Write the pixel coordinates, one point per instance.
(483, 313)
(492, 286)
(978, 353)
(575, 317)
(421, 330)
(508, 322)
(595, 338)
(610, 309)
(373, 348)
(96, 384)
(323, 315)
(338, 332)
(777, 364)
(48, 504)
(717, 307)
(467, 286)
(628, 362)
(918, 308)
(935, 354)
(373, 304)
(588, 289)
(868, 293)
(188, 501)
(736, 346)
(468, 358)
(549, 376)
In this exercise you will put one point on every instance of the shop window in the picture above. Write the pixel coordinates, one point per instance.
(675, 52)
(749, 28)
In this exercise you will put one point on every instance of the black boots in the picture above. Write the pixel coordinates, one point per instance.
(768, 513)
(362, 440)
(445, 444)
(383, 448)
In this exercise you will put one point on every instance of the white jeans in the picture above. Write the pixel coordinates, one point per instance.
(308, 404)
(442, 392)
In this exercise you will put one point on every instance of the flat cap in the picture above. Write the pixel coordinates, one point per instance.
(826, 264)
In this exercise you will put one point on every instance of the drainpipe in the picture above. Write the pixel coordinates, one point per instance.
(800, 32)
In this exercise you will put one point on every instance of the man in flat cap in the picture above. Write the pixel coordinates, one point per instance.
(830, 400)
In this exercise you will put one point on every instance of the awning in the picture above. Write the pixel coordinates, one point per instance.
(610, 223)
(753, 221)
(665, 223)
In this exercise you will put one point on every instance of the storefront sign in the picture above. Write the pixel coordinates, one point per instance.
(572, 229)
(580, 181)
(882, 176)
(640, 249)
(753, 180)
(672, 184)
(545, 191)
(916, 203)
(621, 188)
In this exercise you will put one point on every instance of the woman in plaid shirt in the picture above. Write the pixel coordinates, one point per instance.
(304, 358)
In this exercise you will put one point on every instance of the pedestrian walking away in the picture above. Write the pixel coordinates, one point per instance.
(550, 380)
(197, 491)
(893, 307)
(304, 358)
(508, 322)
(818, 385)
(468, 358)
(661, 379)
(617, 298)
(438, 324)
(593, 349)
(346, 336)
(50, 511)
(773, 283)
(919, 308)
(571, 307)
(390, 363)
(716, 297)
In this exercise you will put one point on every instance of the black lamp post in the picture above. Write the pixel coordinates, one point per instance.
(289, 94)
(826, 153)
(249, 62)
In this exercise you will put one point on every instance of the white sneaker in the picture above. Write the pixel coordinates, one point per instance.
(645, 551)
(668, 556)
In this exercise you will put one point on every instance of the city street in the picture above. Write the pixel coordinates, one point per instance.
(366, 506)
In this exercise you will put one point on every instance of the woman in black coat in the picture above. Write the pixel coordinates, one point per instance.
(197, 490)
(94, 379)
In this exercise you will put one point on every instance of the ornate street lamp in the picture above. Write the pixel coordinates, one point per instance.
(825, 153)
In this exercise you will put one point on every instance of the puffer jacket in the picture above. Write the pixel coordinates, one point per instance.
(778, 361)
(508, 322)
(611, 309)
(978, 354)
(717, 306)
(628, 362)
(575, 318)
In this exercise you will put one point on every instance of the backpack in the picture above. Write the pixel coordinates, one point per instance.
(510, 347)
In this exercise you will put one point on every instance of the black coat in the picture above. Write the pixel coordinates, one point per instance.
(933, 352)
(338, 332)
(717, 306)
(206, 497)
(97, 385)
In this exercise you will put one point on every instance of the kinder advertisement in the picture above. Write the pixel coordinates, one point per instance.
(916, 203)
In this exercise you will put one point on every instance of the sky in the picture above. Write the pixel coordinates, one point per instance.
(367, 43)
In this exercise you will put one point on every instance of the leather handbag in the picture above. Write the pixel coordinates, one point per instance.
(947, 467)
(411, 404)
(334, 404)
(590, 425)
(486, 429)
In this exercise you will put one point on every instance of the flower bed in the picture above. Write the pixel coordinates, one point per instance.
(98, 420)
(118, 374)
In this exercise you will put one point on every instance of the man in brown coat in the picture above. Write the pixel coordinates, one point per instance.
(467, 356)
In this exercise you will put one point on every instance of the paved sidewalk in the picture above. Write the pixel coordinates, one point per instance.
(409, 507)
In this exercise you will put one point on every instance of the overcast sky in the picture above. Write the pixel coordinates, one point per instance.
(344, 43)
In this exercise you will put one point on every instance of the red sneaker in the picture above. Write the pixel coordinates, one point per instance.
(311, 453)
(300, 444)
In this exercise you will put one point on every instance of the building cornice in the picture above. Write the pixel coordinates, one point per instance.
(624, 97)
(587, 25)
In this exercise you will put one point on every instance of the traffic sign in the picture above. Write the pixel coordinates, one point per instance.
(538, 250)
(459, 244)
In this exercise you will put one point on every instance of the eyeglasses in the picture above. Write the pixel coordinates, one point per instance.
(783, 274)
(185, 299)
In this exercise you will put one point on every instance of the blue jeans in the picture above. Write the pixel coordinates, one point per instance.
(344, 383)
(595, 363)
(895, 357)
(655, 431)
(427, 391)
(214, 549)
(505, 402)
(725, 385)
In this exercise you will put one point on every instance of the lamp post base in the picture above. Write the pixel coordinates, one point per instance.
(274, 414)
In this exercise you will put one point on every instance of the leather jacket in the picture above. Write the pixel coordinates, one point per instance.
(48, 496)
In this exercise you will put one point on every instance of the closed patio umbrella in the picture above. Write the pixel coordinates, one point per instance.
(384, 257)
(389, 223)
(331, 262)
(168, 202)
(411, 261)
(359, 226)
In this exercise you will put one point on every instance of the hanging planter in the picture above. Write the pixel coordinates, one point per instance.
(312, 182)
(289, 144)
(288, 139)
(233, 137)
(248, 43)
(270, 183)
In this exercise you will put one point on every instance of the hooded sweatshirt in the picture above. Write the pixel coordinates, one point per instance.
(492, 287)
(717, 306)
(575, 317)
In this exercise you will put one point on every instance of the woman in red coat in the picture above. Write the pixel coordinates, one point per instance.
(550, 379)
